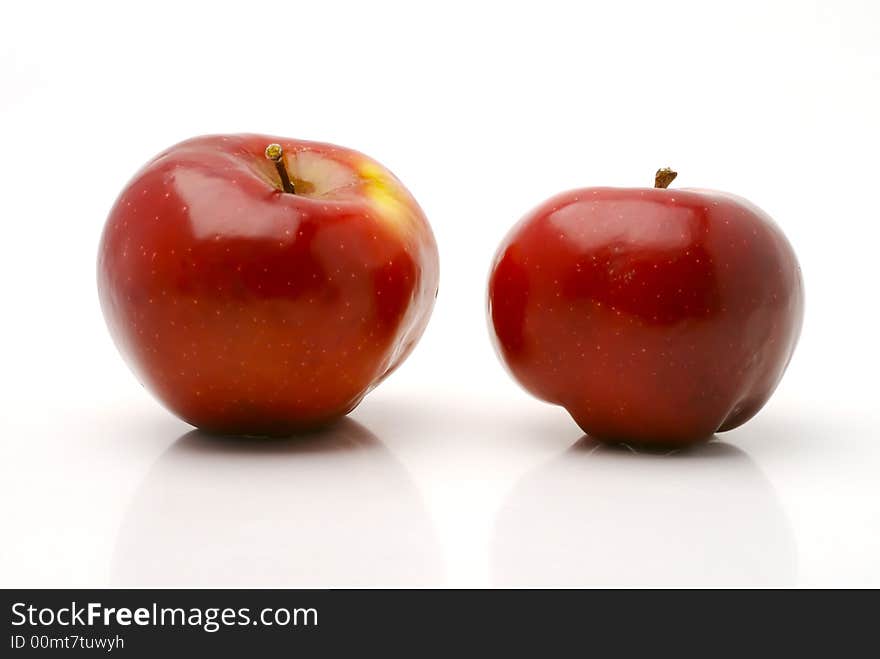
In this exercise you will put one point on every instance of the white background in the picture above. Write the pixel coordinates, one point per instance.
(457, 476)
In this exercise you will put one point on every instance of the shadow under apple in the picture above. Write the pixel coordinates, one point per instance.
(332, 508)
(603, 516)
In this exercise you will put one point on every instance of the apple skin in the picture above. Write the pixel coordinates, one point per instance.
(248, 310)
(654, 316)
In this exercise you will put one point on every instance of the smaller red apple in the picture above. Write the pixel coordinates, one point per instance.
(654, 316)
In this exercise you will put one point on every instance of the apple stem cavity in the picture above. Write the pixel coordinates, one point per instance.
(663, 177)
(275, 153)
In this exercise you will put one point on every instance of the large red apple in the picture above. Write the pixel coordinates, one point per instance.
(260, 285)
(652, 315)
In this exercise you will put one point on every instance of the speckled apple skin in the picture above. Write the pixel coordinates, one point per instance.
(248, 310)
(654, 316)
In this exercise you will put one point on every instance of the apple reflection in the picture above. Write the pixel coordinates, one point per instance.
(329, 509)
(600, 516)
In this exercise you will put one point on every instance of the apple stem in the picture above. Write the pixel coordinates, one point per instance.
(275, 153)
(664, 177)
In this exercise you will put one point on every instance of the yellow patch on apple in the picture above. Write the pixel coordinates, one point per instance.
(385, 193)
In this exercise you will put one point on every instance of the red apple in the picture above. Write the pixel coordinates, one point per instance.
(654, 316)
(261, 290)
